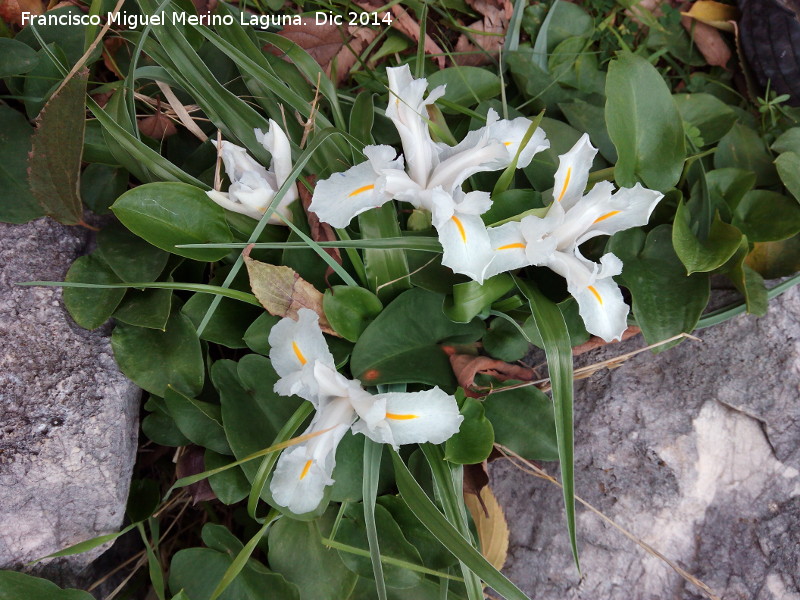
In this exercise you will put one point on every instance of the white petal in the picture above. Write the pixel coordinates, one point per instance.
(510, 132)
(225, 202)
(413, 418)
(466, 245)
(473, 203)
(573, 172)
(342, 196)
(537, 232)
(602, 308)
(277, 144)
(295, 347)
(628, 207)
(473, 155)
(303, 471)
(237, 161)
(508, 246)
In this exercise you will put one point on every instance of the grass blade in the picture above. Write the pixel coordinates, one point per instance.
(423, 244)
(372, 468)
(232, 572)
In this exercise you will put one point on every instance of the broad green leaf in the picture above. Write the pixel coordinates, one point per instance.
(198, 570)
(228, 324)
(591, 119)
(743, 148)
(776, 259)
(702, 256)
(731, 184)
(504, 341)
(155, 359)
(145, 308)
(788, 165)
(553, 331)
(296, 552)
(169, 214)
(101, 185)
(144, 498)
(19, 586)
(231, 485)
(666, 301)
(130, 257)
(91, 307)
(386, 270)
(788, 141)
(160, 427)
(712, 117)
(54, 164)
(221, 539)
(644, 124)
(199, 421)
(402, 344)
(512, 203)
(350, 309)
(18, 58)
(765, 216)
(523, 421)
(352, 531)
(466, 86)
(17, 205)
(475, 439)
(749, 282)
(425, 510)
(471, 298)
(257, 335)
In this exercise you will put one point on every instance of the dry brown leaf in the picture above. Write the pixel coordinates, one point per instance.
(491, 525)
(496, 16)
(11, 10)
(476, 477)
(597, 342)
(466, 367)
(283, 292)
(322, 42)
(360, 38)
(157, 126)
(110, 48)
(709, 41)
(192, 462)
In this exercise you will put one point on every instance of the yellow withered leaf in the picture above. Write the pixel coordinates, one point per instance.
(491, 525)
(716, 14)
(283, 292)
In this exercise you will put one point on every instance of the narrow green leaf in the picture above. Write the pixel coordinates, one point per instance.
(387, 270)
(372, 470)
(241, 559)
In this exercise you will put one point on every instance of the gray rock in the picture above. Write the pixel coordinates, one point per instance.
(68, 417)
(696, 452)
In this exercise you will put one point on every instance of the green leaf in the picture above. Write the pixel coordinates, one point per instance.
(504, 341)
(199, 421)
(386, 270)
(591, 119)
(471, 298)
(466, 86)
(712, 117)
(555, 336)
(665, 301)
(402, 344)
(776, 259)
(788, 165)
(146, 308)
(231, 485)
(352, 531)
(128, 255)
(369, 491)
(534, 435)
(228, 324)
(644, 124)
(475, 439)
(296, 551)
(91, 307)
(702, 256)
(156, 359)
(19, 586)
(101, 185)
(765, 216)
(54, 164)
(198, 570)
(730, 184)
(257, 335)
(438, 525)
(17, 205)
(18, 58)
(168, 214)
(749, 282)
(788, 141)
(350, 309)
(743, 148)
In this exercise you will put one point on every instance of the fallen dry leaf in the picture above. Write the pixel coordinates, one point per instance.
(283, 292)
(157, 126)
(490, 522)
(496, 16)
(322, 42)
(360, 38)
(466, 367)
(597, 342)
(192, 462)
(709, 41)
(716, 14)
(11, 10)
(110, 48)
(476, 477)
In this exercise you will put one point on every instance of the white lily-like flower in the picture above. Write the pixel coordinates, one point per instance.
(430, 175)
(252, 186)
(306, 368)
(553, 240)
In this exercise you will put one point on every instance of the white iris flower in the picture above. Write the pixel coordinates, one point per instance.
(553, 240)
(306, 368)
(252, 186)
(430, 175)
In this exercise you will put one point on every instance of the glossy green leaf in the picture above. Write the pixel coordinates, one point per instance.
(199, 421)
(788, 165)
(257, 335)
(555, 336)
(524, 422)
(788, 141)
(666, 301)
(475, 438)
(386, 270)
(504, 341)
(730, 184)
(702, 256)
(466, 86)
(712, 117)
(350, 309)
(145, 308)
(296, 551)
(16, 586)
(230, 486)
(228, 324)
(591, 119)
(91, 307)
(155, 359)
(402, 344)
(101, 185)
(644, 124)
(743, 148)
(17, 58)
(765, 216)
(17, 204)
(168, 214)
(130, 257)
(471, 298)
